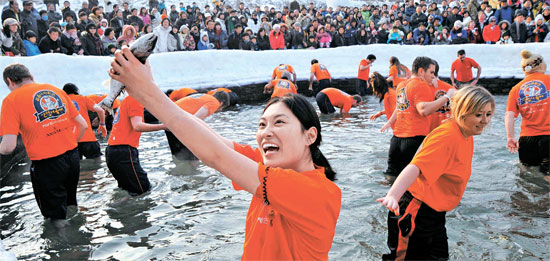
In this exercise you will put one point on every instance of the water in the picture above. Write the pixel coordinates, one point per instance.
(193, 213)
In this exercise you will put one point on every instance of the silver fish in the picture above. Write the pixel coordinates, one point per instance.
(141, 48)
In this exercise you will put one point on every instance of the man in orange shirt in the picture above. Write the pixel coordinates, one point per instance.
(280, 87)
(320, 72)
(278, 72)
(88, 145)
(530, 99)
(233, 97)
(328, 98)
(412, 122)
(463, 67)
(180, 93)
(201, 105)
(46, 118)
(363, 74)
(121, 154)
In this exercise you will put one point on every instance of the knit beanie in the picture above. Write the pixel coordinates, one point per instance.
(531, 63)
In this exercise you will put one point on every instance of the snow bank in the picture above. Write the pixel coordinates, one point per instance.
(219, 68)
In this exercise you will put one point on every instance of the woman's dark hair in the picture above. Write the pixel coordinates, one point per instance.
(108, 30)
(400, 68)
(306, 114)
(144, 29)
(70, 88)
(379, 85)
(261, 30)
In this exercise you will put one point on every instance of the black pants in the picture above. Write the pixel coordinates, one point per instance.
(324, 83)
(178, 149)
(534, 151)
(460, 84)
(123, 162)
(362, 87)
(89, 149)
(233, 99)
(401, 153)
(324, 103)
(54, 181)
(418, 234)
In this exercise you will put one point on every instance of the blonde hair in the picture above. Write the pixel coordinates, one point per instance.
(470, 99)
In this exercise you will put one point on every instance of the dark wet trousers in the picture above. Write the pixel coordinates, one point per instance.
(418, 234)
(89, 149)
(362, 88)
(401, 153)
(323, 84)
(233, 99)
(324, 103)
(123, 162)
(535, 151)
(54, 181)
(460, 84)
(178, 149)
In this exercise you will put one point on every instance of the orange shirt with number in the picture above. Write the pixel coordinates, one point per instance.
(181, 93)
(84, 104)
(444, 112)
(464, 69)
(123, 132)
(530, 98)
(398, 77)
(282, 87)
(364, 74)
(43, 114)
(409, 122)
(445, 163)
(320, 71)
(193, 103)
(299, 221)
(278, 71)
(339, 98)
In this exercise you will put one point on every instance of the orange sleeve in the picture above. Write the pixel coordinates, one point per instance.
(290, 69)
(73, 112)
(474, 63)
(393, 72)
(434, 156)
(252, 153)
(89, 103)
(313, 68)
(134, 108)
(9, 118)
(511, 104)
(274, 72)
(453, 66)
(423, 94)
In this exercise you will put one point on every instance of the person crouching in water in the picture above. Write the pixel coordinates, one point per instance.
(435, 180)
(329, 98)
(295, 204)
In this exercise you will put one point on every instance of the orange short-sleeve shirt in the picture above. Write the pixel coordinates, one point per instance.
(444, 112)
(389, 104)
(278, 71)
(97, 98)
(281, 87)
(445, 163)
(43, 114)
(211, 92)
(181, 93)
(84, 104)
(398, 77)
(339, 98)
(193, 103)
(293, 214)
(123, 132)
(364, 74)
(320, 71)
(409, 122)
(464, 69)
(530, 98)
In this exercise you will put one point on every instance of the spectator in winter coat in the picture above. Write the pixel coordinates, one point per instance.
(7, 34)
(204, 43)
(82, 21)
(491, 32)
(51, 42)
(245, 43)
(459, 35)
(188, 40)
(12, 11)
(144, 15)
(410, 10)
(128, 34)
(505, 12)
(174, 40)
(67, 12)
(505, 39)
(263, 40)
(162, 32)
(504, 27)
(539, 30)
(443, 37)
(235, 38)
(276, 38)
(311, 43)
(518, 30)
(418, 17)
(383, 33)
(27, 18)
(221, 37)
(53, 16)
(474, 34)
(254, 22)
(31, 49)
(117, 23)
(134, 18)
(108, 37)
(297, 37)
(350, 33)
(339, 38)
(323, 38)
(91, 42)
(396, 36)
(71, 41)
(265, 23)
(420, 35)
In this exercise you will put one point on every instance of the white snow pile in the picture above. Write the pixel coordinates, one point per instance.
(5, 255)
(227, 68)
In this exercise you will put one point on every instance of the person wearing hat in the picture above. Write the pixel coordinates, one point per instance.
(8, 35)
(529, 98)
(539, 29)
(491, 32)
(505, 12)
(27, 18)
(91, 42)
(518, 30)
(459, 35)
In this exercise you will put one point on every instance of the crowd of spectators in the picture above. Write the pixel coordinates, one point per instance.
(92, 30)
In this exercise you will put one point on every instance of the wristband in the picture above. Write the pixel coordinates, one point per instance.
(447, 96)
(102, 124)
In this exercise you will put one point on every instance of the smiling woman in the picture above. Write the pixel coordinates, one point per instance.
(295, 206)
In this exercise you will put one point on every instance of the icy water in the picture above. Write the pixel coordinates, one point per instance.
(193, 213)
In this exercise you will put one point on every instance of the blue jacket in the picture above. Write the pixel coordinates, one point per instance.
(395, 36)
(30, 48)
(504, 14)
(417, 34)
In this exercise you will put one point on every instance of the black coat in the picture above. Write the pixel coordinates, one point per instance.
(137, 20)
(28, 22)
(338, 40)
(296, 39)
(234, 40)
(46, 45)
(68, 12)
(92, 45)
(117, 24)
(68, 43)
(42, 28)
(524, 33)
(263, 42)
(9, 13)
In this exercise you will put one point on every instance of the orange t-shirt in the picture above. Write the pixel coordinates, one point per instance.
(530, 98)
(389, 104)
(181, 93)
(123, 132)
(278, 71)
(300, 220)
(97, 98)
(398, 77)
(364, 74)
(409, 122)
(84, 104)
(211, 92)
(445, 163)
(43, 114)
(464, 69)
(320, 71)
(193, 103)
(339, 98)
(444, 112)
(281, 87)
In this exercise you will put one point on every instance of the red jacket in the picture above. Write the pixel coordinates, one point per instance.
(491, 33)
(277, 40)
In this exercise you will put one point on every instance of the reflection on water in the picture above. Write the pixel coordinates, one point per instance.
(193, 212)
